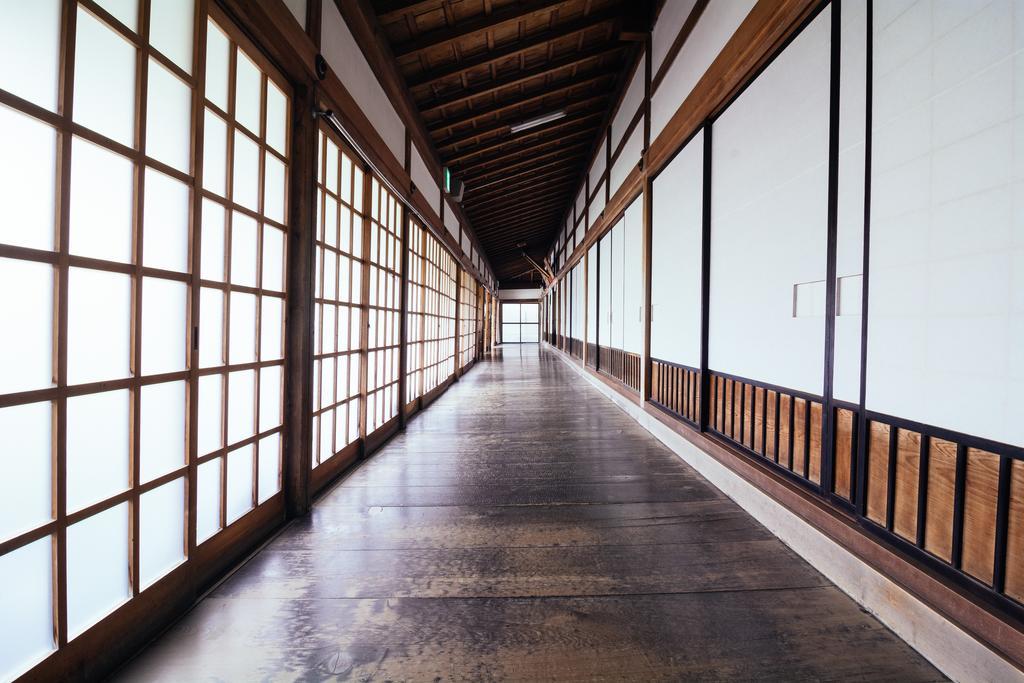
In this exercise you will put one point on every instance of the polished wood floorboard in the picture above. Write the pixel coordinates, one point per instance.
(524, 528)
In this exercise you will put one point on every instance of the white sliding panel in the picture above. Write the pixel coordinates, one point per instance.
(676, 210)
(592, 295)
(946, 299)
(617, 303)
(633, 278)
(769, 220)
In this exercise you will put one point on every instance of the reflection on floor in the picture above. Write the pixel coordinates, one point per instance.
(524, 528)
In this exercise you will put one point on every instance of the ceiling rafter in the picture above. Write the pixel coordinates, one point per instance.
(524, 136)
(497, 19)
(446, 124)
(575, 59)
(515, 48)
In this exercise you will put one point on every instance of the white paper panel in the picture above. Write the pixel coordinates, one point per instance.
(946, 300)
(627, 159)
(769, 218)
(670, 21)
(425, 183)
(632, 278)
(676, 207)
(346, 60)
(716, 25)
(631, 101)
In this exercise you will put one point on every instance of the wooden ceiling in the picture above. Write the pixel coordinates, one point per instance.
(475, 68)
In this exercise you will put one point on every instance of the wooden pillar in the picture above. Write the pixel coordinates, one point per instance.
(298, 362)
(403, 322)
(645, 292)
(457, 371)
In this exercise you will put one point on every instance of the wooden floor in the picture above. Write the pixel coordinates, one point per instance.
(524, 528)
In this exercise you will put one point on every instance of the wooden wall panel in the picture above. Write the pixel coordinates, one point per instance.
(785, 420)
(815, 443)
(980, 514)
(878, 471)
(772, 429)
(938, 528)
(800, 426)
(759, 421)
(844, 451)
(908, 467)
(1015, 535)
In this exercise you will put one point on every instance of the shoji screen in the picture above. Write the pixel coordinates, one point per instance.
(337, 295)
(592, 295)
(439, 282)
(769, 220)
(604, 280)
(946, 300)
(632, 278)
(467, 318)
(414, 313)
(676, 257)
(111, 408)
(385, 277)
(616, 294)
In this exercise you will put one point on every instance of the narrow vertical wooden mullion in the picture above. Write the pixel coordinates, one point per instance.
(138, 212)
(195, 260)
(59, 483)
(959, 494)
(1002, 523)
(228, 245)
(922, 488)
(403, 323)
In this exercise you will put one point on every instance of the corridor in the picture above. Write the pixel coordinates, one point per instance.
(524, 528)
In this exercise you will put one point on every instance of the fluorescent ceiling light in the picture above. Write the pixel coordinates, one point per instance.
(540, 120)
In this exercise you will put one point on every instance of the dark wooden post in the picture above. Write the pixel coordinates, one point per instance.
(298, 364)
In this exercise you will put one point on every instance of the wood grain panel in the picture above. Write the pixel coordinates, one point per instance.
(908, 467)
(980, 514)
(1015, 535)
(815, 427)
(785, 411)
(843, 452)
(758, 422)
(748, 416)
(799, 435)
(938, 528)
(773, 425)
(878, 471)
(728, 412)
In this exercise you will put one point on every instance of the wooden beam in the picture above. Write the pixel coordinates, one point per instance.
(567, 162)
(519, 164)
(447, 123)
(514, 48)
(523, 135)
(594, 102)
(540, 201)
(502, 17)
(537, 146)
(507, 188)
(519, 78)
(534, 195)
(390, 11)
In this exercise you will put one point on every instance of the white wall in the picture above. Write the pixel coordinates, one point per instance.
(676, 222)
(596, 205)
(451, 223)
(616, 311)
(298, 10)
(604, 285)
(769, 218)
(581, 202)
(716, 25)
(592, 295)
(425, 182)
(598, 167)
(670, 21)
(627, 159)
(631, 101)
(946, 300)
(632, 290)
(347, 61)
